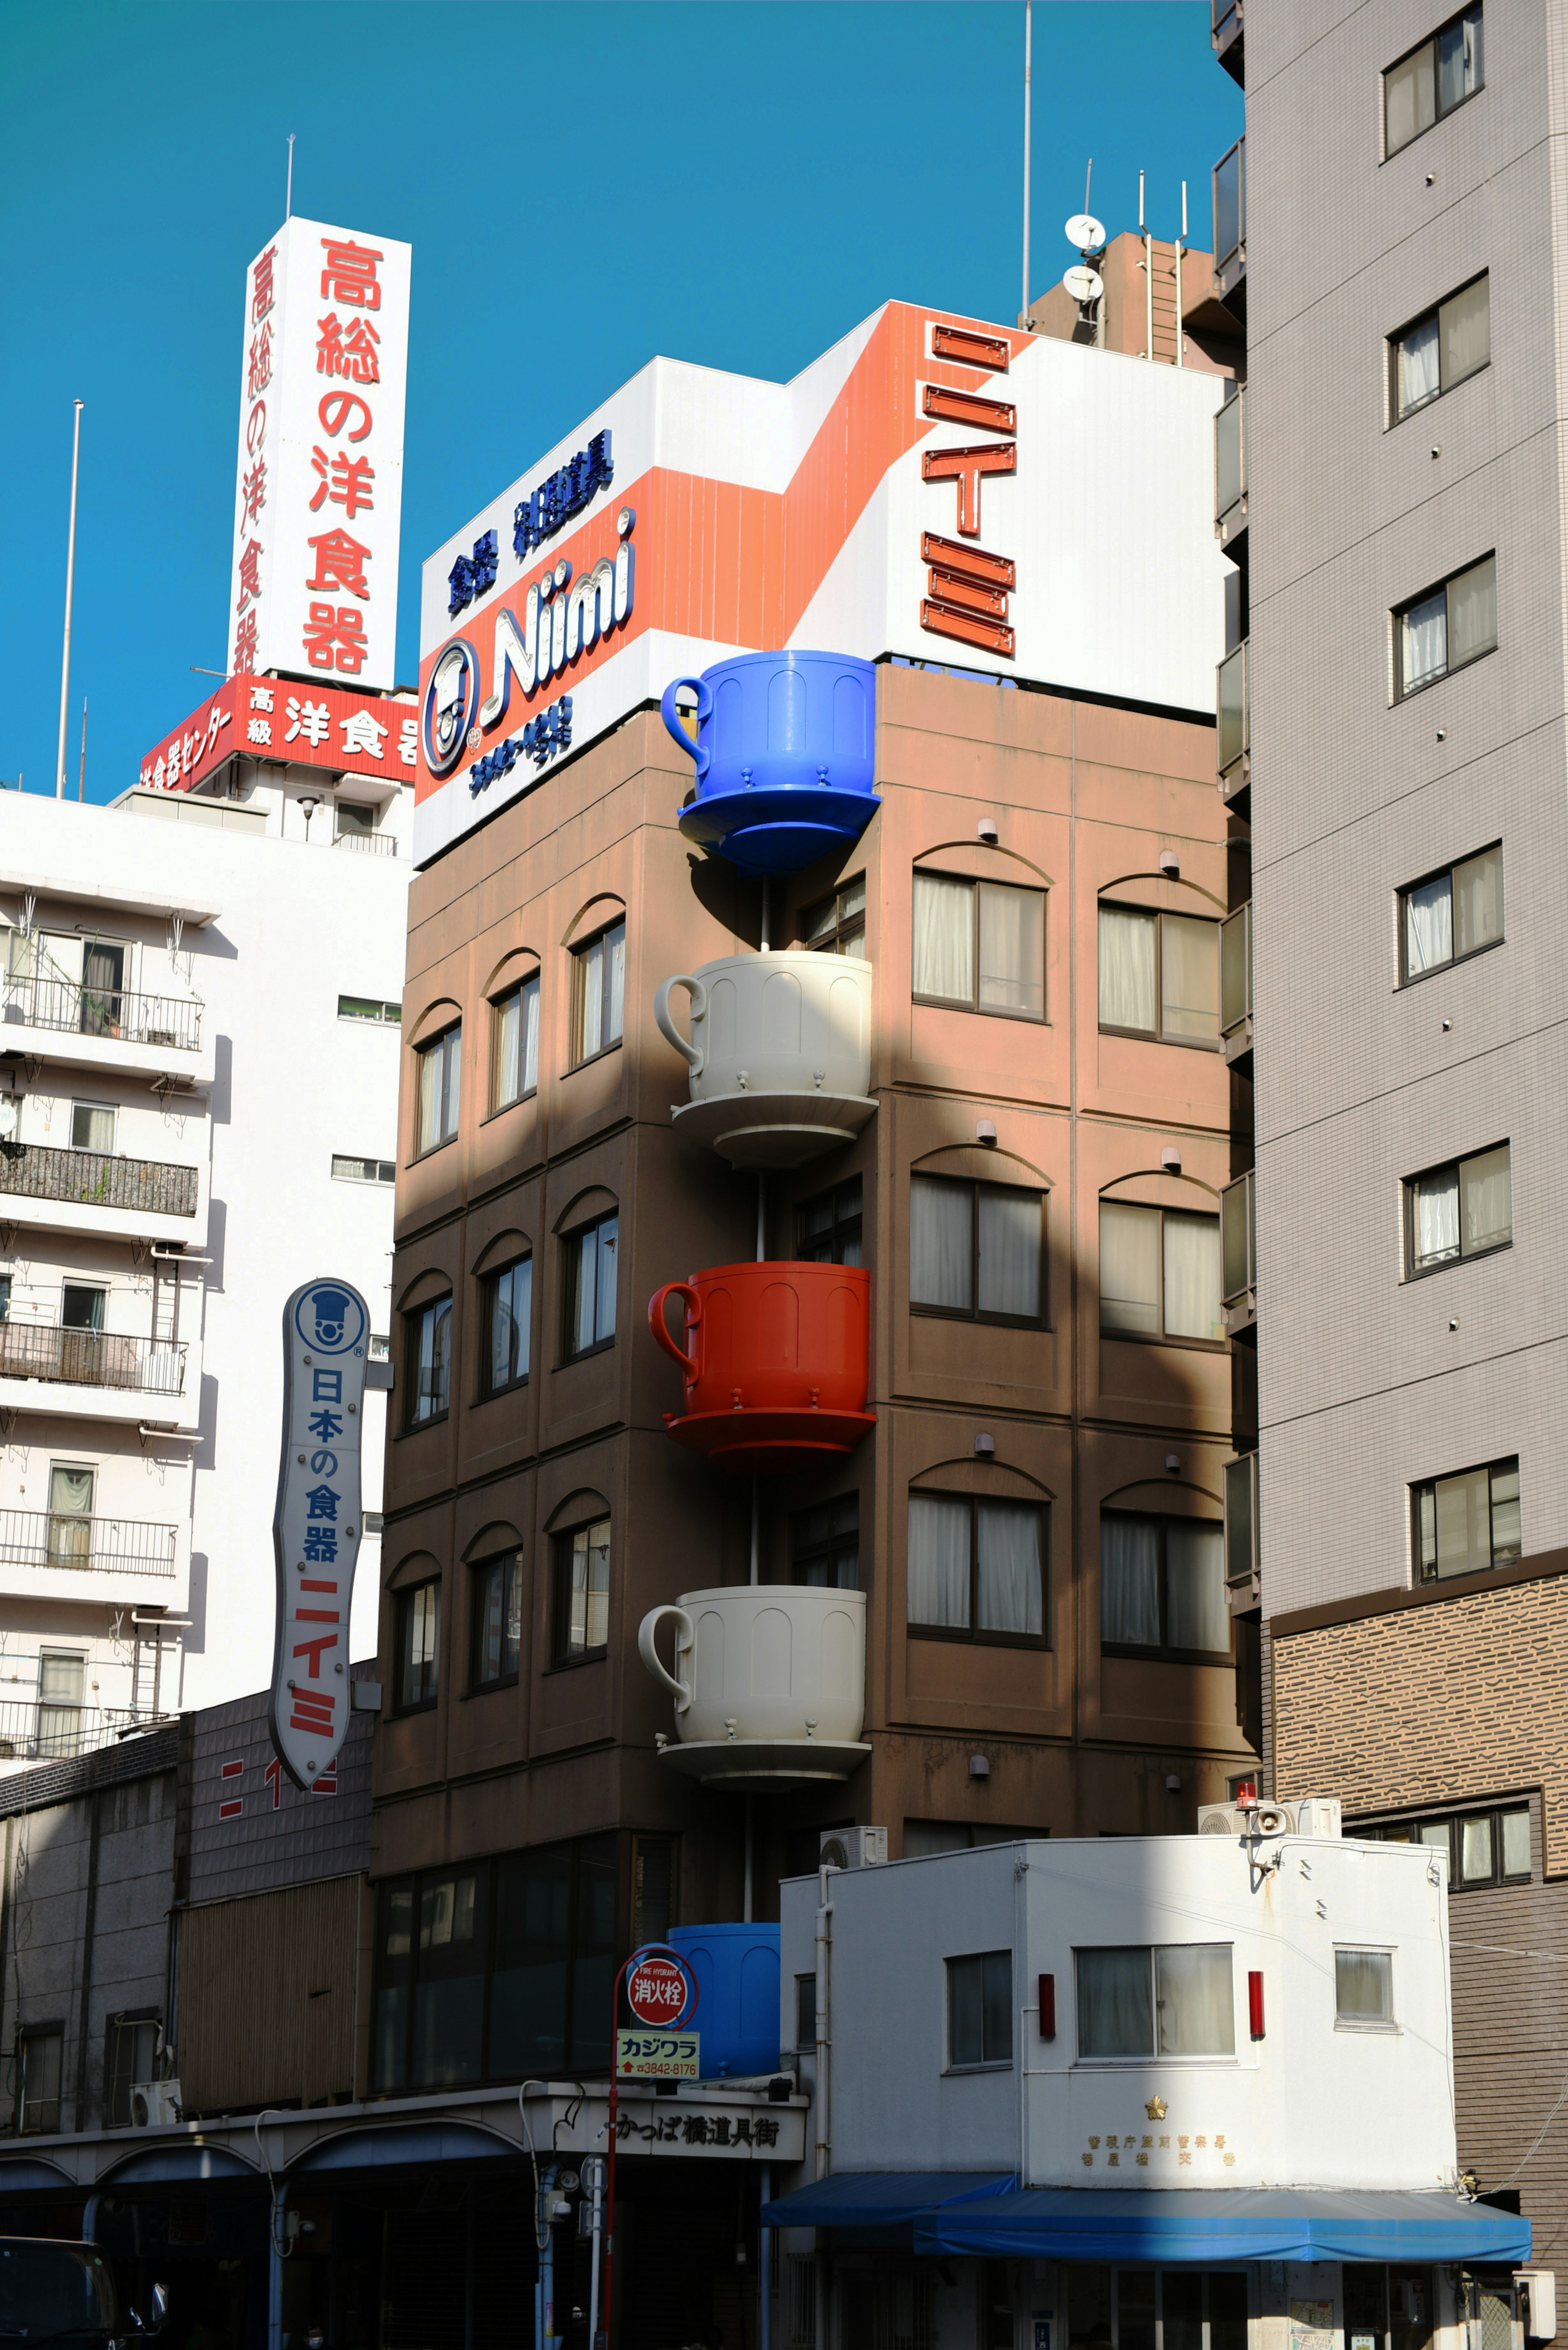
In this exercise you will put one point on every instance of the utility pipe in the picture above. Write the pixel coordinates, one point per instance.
(70, 584)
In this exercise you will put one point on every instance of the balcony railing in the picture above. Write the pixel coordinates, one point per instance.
(1231, 469)
(1226, 33)
(1230, 212)
(1232, 712)
(369, 844)
(92, 1358)
(62, 1538)
(1241, 1550)
(92, 1179)
(1236, 978)
(53, 1734)
(114, 1012)
(1239, 1243)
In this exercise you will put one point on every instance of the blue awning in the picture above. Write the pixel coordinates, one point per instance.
(880, 2199)
(1260, 2223)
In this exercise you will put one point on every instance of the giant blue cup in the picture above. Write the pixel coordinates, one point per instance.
(786, 753)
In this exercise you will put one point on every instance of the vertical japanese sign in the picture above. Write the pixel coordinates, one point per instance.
(317, 1528)
(320, 484)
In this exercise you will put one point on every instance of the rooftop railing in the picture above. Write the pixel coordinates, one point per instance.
(118, 1012)
(94, 1358)
(85, 1545)
(92, 1179)
(54, 1733)
(369, 844)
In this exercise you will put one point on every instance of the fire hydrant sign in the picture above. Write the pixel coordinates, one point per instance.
(662, 1992)
(317, 1526)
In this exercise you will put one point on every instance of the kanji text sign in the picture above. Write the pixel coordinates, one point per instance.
(656, 2055)
(342, 732)
(317, 1528)
(658, 1992)
(318, 491)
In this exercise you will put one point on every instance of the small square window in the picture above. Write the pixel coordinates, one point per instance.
(1432, 80)
(1466, 1524)
(1159, 1273)
(1454, 913)
(1446, 627)
(977, 1250)
(1158, 976)
(92, 1127)
(979, 945)
(1440, 348)
(976, 1569)
(1364, 1988)
(1460, 1211)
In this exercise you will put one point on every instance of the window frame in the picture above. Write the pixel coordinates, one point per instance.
(1398, 415)
(1398, 613)
(976, 1185)
(1385, 2024)
(580, 950)
(1414, 1269)
(1409, 978)
(1041, 1019)
(1156, 1036)
(386, 1169)
(403, 1621)
(497, 1003)
(382, 1013)
(1163, 1337)
(1446, 114)
(832, 939)
(572, 1243)
(1165, 1654)
(488, 1298)
(29, 2035)
(119, 2030)
(414, 1319)
(1416, 1831)
(830, 1548)
(510, 1562)
(836, 1226)
(111, 1111)
(971, 1635)
(1419, 1577)
(448, 1042)
(984, 2062)
(1154, 2054)
(564, 1658)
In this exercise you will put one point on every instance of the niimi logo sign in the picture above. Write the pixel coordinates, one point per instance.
(563, 618)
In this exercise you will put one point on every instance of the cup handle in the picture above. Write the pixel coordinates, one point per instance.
(689, 1050)
(685, 1638)
(678, 733)
(660, 1328)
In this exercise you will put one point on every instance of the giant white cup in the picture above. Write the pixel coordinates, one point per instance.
(763, 1661)
(774, 1024)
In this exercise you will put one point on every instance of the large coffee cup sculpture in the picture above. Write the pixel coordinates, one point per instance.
(786, 752)
(776, 1362)
(780, 1054)
(768, 1683)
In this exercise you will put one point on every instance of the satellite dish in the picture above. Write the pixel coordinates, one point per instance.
(7, 1120)
(1084, 285)
(1084, 231)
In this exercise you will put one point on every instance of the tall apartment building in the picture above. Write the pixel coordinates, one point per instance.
(1401, 254)
(199, 997)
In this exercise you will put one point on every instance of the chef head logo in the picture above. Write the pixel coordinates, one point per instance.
(330, 1319)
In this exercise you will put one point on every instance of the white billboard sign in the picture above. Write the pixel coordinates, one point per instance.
(317, 1528)
(312, 585)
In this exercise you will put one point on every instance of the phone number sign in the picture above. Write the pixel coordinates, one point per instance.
(656, 2055)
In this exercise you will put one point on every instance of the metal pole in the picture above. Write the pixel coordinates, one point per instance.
(70, 584)
(1181, 338)
(1147, 277)
(81, 771)
(288, 196)
(747, 1897)
(1028, 65)
(596, 2231)
(765, 2262)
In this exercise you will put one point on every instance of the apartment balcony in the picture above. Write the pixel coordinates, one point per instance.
(769, 1684)
(775, 1363)
(1230, 229)
(1226, 31)
(1236, 988)
(108, 1028)
(369, 844)
(97, 1374)
(57, 1554)
(1239, 1254)
(1243, 1566)
(1233, 730)
(1231, 474)
(44, 1189)
(57, 1733)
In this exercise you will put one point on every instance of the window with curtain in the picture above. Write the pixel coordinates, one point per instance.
(977, 1250)
(981, 945)
(1466, 1524)
(439, 1087)
(1432, 80)
(1162, 1586)
(599, 992)
(1159, 1273)
(979, 2009)
(1463, 1210)
(1481, 1848)
(1159, 976)
(515, 1043)
(1173, 1999)
(507, 1297)
(1440, 348)
(92, 1127)
(1452, 914)
(62, 1676)
(71, 1489)
(582, 1592)
(1448, 628)
(428, 1357)
(418, 1645)
(975, 1568)
(497, 1588)
(591, 1256)
(1364, 1988)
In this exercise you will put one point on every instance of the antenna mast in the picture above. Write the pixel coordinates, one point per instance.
(288, 192)
(1028, 62)
(70, 584)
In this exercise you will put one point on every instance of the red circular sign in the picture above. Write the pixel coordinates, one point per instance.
(657, 1992)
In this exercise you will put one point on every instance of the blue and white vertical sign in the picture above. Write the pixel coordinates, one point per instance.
(317, 1528)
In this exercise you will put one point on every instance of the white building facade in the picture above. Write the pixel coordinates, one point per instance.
(198, 1109)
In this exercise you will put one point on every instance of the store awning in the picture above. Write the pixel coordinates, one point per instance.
(1196, 2224)
(881, 2199)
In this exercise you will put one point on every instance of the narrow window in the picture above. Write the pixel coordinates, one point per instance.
(1159, 976)
(130, 2056)
(979, 945)
(599, 999)
(837, 925)
(825, 1545)
(439, 1076)
(428, 1357)
(1468, 1522)
(1173, 2000)
(827, 1229)
(61, 1687)
(92, 1127)
(1448, 628)
(977, 1250)
(976, 1569)
(508, 1299)
(1364, 1988)
(1452, 914)
(81, 1307)
(372, 1008)
(1440, 348)
(582, 1592)
(1433, 80)
(418, 1645)
(980, 2009)
(72, 1485)
(497, 1620)
(515, 1034)
(805, 2011)
(1159, 1273)
(591, 1287)
(38, 2080)
(1463, 1210)
(1162, 1587)
(362, 1170)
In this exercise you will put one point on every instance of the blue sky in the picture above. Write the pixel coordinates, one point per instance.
(734, 183)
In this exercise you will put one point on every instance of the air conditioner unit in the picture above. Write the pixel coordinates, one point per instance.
(1537, 2292)
(1308, 1815)
(154, 2104)
(853, 1848)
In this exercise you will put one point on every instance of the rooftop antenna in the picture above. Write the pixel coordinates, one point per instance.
(1028, 55)
(1083, 281)
(1181, 240)
(288, 191)
(1148, 276)
(70, 583)
(81, 771)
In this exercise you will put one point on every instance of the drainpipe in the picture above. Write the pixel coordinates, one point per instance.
(765, 2265)
(824, 2048)
(274, 2270)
